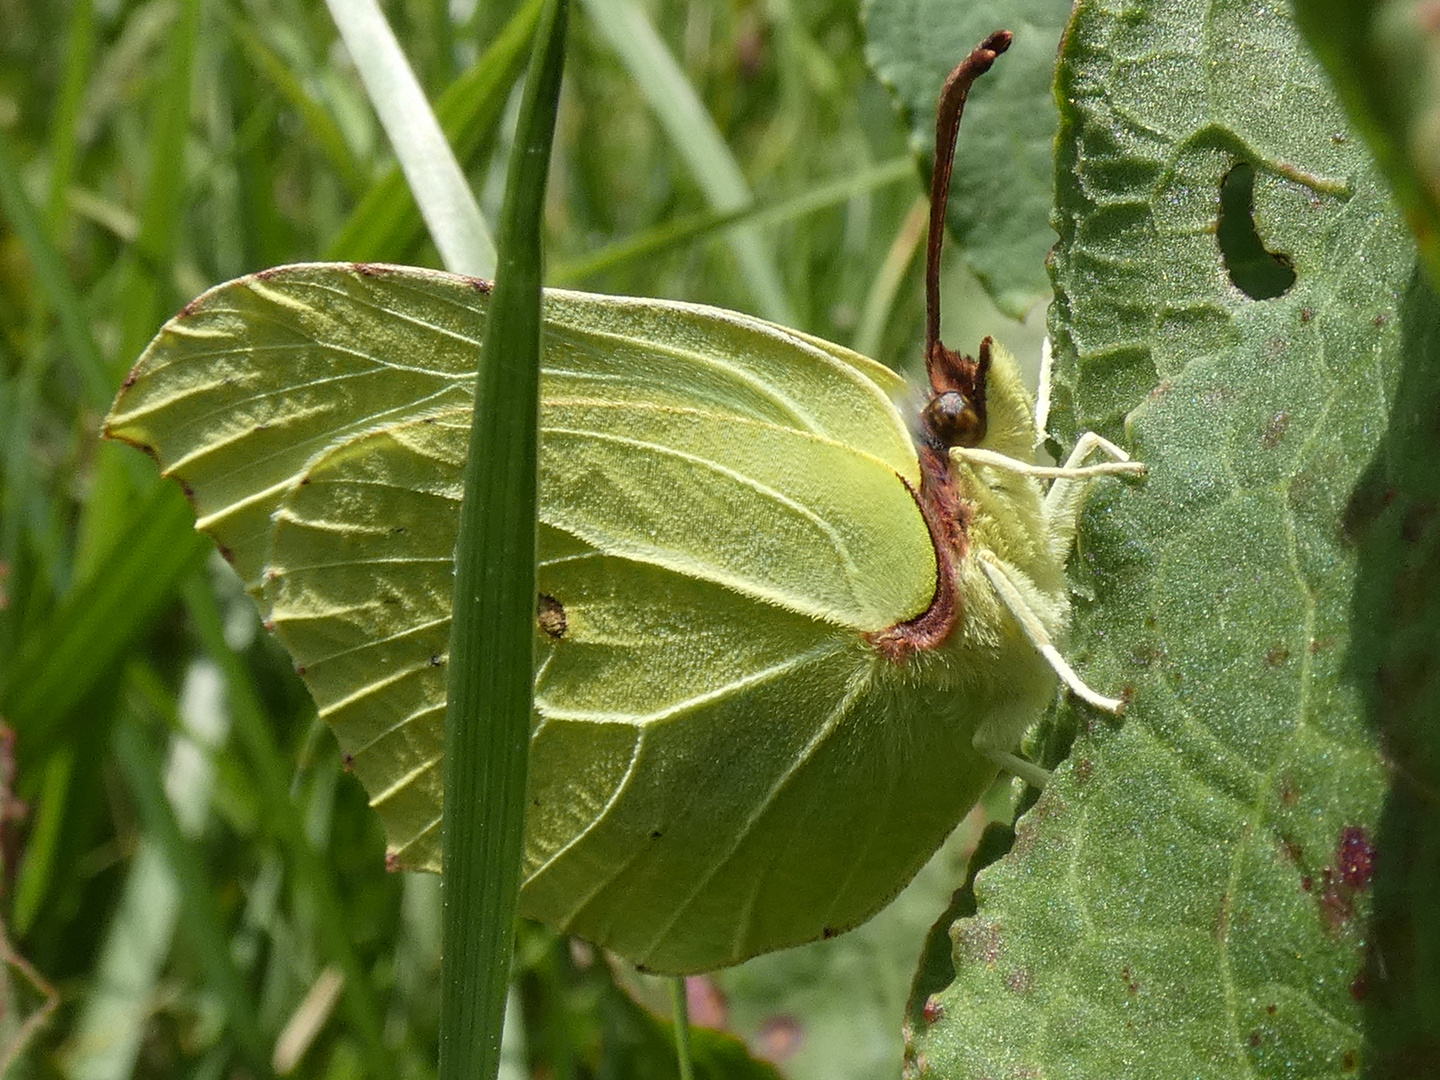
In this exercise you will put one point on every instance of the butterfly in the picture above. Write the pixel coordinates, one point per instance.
(784, 637)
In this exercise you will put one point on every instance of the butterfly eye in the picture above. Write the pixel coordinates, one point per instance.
(954, 420)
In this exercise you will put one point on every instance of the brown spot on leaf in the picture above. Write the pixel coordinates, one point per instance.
(550, 614)
(1128, 978)
(1350, 1060)
(1355, 857)
(1306, 314)
(829, 932)
(1254, 1039)
(1083, 768)
(372, 269)
(1289, 792)
(301, 669)
(483, 287)
(1275, 430)
(1277, 655)
(392, 861)
(268, 273)
(347, 761)
(933, 1009)
(1270, 1008)
(436, 660)
(1020, 981)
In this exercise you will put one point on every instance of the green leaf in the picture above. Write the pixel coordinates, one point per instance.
(1384, 56)
(1000, 209)
(1193, 894)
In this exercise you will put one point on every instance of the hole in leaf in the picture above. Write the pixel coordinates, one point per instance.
(1259, 274)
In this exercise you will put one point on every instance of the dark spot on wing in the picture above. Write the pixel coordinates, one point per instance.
(550, 614)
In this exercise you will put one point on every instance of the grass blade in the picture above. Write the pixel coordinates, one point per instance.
(487, 724)
(690, 127)
(446, 202)
(52, 278)
(674, 234)
(319, 123)
(680, 1017)
(198, 911)
(99, 621)
(386, 225)
(111, 1024)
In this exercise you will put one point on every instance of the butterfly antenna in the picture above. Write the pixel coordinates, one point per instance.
(947, 127)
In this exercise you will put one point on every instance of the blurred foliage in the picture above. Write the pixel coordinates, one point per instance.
(187, 869)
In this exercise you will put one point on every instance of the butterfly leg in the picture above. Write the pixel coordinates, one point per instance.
(1062, 501)
(1035, 630)
(1016, 765)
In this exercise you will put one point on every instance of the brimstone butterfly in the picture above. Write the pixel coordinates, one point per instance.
(784, 642)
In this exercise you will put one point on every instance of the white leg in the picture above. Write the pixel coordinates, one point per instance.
(1062, 501)
(974, 455)
(1016, 765)
(1034, 630)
